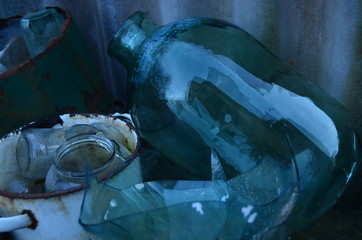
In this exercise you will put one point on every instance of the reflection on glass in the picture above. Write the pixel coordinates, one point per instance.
(200, 84)
(141, 202)
(55, 159)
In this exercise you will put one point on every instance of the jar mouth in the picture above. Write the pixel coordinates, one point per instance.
(85, 155)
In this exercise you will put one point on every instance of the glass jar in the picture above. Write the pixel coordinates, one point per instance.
(199, 84)
(79, 157)
(36, 147)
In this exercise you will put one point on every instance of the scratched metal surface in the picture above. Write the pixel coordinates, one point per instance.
(322, 39)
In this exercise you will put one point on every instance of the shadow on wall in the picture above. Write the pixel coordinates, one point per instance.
(320, 38)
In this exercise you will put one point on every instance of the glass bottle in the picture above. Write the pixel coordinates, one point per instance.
(199, 84)
(40, 28)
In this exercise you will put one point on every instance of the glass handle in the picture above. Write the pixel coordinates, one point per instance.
(8, 224)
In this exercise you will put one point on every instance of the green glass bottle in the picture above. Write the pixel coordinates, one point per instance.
(201, 85)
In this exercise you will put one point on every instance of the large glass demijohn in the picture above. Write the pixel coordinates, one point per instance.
(202, 84)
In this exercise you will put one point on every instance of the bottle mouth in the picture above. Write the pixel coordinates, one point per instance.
(136, 20)
(85, 155)
(38, 14)
(34, 24)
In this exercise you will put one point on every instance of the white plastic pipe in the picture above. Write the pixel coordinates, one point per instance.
(8, 224)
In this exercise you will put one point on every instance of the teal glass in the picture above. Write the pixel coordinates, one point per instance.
(149, 199)
(39, 28)
(201, 85)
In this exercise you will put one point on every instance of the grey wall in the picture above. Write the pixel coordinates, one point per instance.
(321, 38)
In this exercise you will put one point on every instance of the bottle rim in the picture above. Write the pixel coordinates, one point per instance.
(26, 21)
(38, 14)
(135, 18)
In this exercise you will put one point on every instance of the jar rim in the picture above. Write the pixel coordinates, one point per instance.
(84, 141)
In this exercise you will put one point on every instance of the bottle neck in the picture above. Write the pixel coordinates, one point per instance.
(125, 45)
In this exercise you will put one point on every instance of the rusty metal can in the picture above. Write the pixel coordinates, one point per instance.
(61, 79)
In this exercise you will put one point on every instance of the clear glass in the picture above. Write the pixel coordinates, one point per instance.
(36, 147)
(150, 199)
(114, 133)
(14, 53)
(199, 84)
(40, 28)
(79, 157)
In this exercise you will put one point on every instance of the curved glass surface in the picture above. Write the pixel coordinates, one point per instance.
(141, 202)
(201, 84)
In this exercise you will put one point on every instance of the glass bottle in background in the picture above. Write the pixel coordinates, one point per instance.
(199, 84)
(40, 28)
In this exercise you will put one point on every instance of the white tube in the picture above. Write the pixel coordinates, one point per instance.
(8, 224)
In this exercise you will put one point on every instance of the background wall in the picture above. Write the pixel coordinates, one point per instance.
(321, 38)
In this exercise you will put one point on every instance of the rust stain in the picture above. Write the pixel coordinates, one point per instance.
(9, 206)
(5, 204)
(32, 218)
(82, 116)
(30, 196)
(10, 18)
(62, 207)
